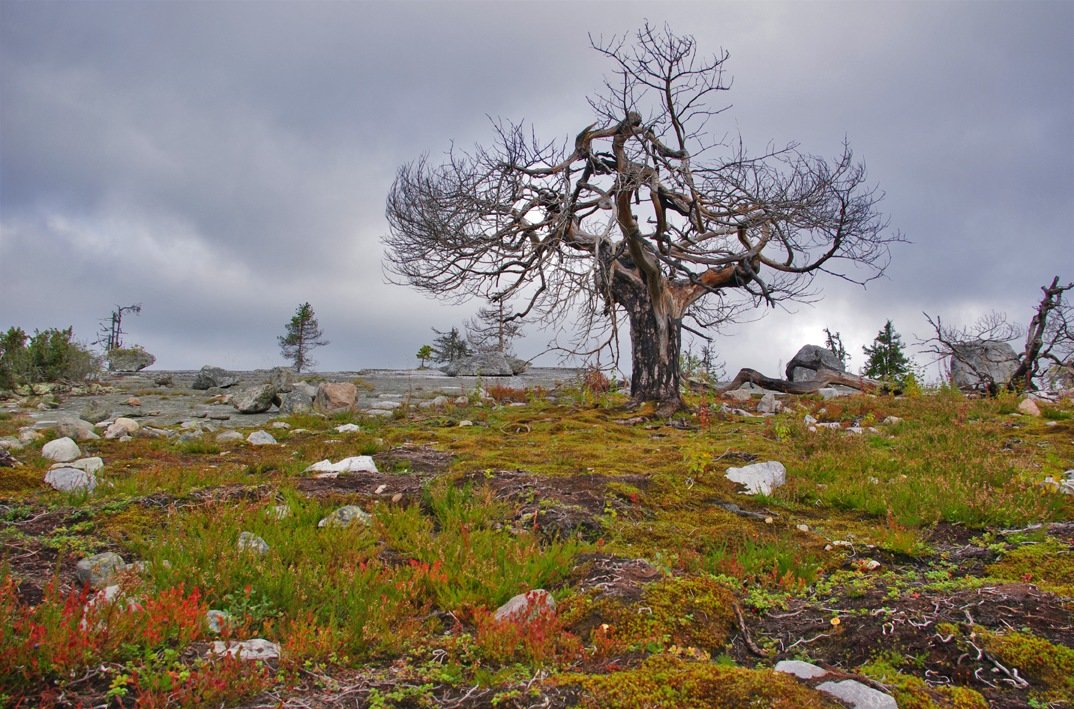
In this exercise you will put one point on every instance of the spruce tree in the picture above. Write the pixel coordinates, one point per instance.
(885, 360)
(449, 346)
(303, 334)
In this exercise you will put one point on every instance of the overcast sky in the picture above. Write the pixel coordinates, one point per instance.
(222, 162)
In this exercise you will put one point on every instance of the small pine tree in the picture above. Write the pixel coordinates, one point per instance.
(303, 334)
(424, 353)
(449, 346)
(885, 360)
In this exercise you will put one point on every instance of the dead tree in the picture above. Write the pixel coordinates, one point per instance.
(644, 215)
(1049, 338)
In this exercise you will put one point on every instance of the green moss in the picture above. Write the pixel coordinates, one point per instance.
(912, 692)
(676, 611)
(1049, 564)
(1040, 660)
(669, 681)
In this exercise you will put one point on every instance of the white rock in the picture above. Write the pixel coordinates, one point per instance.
(61, 450)
(769, 405)
(892, 420)
(858, 695)
(261, 438)
(121, 427)
(759, 478)
(228, 437)
(67, 479)
(283, 425)
(801, 670)
(385, 405)
(347, 428)
(354, 464)
(255, 649)
(465, 422)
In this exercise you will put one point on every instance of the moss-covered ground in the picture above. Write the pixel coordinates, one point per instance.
(922, 555)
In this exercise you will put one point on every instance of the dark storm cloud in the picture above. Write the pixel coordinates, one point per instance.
(223, 162)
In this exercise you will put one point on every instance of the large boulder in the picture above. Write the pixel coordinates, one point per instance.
(70, 479)
(335, 397)
(811, 359)
(255, 400)
(209, 377)
(133, 359)
(982, 364)
(299, 399)
(482, 364)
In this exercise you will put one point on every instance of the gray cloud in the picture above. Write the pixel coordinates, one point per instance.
(223, 162)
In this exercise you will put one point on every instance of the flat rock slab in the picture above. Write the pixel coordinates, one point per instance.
(858, 695)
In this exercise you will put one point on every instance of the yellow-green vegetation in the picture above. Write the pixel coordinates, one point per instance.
(912, 692)
(675, 681)
(566, 493)
(1049, 666)
(1048, 563)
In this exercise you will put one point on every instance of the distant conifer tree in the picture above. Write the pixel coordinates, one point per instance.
(303, 334)
(885, 360)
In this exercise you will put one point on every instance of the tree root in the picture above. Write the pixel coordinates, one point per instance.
(825, 377)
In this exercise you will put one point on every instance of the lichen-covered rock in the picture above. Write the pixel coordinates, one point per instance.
(100, 570)
(346, 516)
(209, 377)
(482, 364)
(132, 359)
(299, 399)
(255, 400)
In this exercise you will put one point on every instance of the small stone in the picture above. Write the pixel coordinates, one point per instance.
(347, 428)
(255, 649)
(100, 570)
(892, 420)
(76, 428)
(801, 670)
(281, 425)
(380, 489)
(465, 422)
(345, 516)
(134, 401)
(1029, 407)
(802, 527)
(61, 450)
(809, 420)
(217, 621)
(858, 695)
(261, 438)
(248, 541)
(868, 565)
(228, 437)
(526, 607)
(769, 520)
(397, 497)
